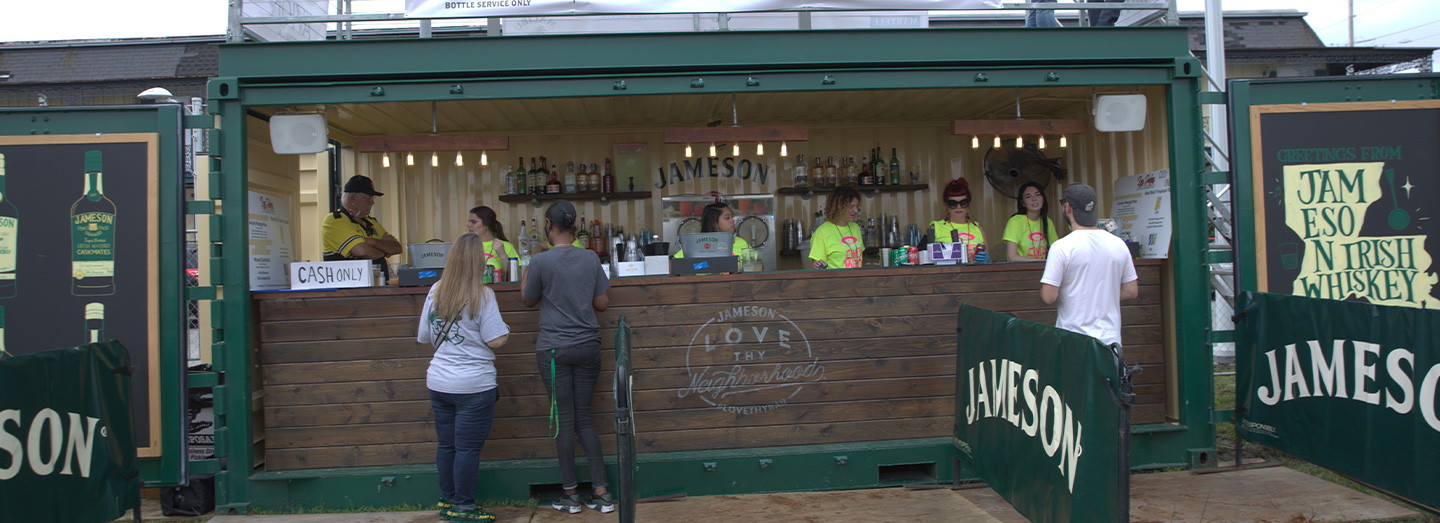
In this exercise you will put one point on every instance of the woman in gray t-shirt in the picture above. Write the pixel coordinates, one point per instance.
(569, 284)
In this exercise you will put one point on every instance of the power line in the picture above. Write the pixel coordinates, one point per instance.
(1357, 15)
(1398, 32)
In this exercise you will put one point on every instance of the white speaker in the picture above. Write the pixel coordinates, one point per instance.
(1119, 112)
(298, 133)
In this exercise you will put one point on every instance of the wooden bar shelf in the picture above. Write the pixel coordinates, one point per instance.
(526, 198)
(858, 188)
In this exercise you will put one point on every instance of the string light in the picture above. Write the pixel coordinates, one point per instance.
(1062, 141)
(997, 140)
(409, 159)
(736, 150)
(783, 152)
(459, 161)
(434, 159)
(484, 160)
(1019, 142)
(712, 151)
(385, 160)
(759, 149)
(1042, 141)
(687, 150)
(975, 142)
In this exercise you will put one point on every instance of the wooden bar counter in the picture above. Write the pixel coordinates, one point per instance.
(722, 362)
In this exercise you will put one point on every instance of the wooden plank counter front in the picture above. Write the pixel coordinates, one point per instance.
(722, 362)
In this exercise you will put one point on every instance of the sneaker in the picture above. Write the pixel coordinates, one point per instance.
(567, 503)
(601, 503)
(443, 505)
(474, 514)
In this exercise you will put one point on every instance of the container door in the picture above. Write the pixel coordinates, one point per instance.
(91, 248)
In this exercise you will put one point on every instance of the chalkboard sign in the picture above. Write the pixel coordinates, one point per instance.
(78, 253)
(1344, 198)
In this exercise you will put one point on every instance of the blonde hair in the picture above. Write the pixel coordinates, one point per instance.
(839, 203)
(461, 286)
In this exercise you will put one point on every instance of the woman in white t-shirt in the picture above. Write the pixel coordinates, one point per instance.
(462, 321)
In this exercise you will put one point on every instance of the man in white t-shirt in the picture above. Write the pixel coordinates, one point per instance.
(1089, 271)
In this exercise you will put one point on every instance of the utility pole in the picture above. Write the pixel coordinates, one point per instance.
(1351, 21)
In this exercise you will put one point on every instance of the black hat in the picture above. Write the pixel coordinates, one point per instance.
(1082, 202)
(363, 185)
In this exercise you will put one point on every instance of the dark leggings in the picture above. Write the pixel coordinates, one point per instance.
(576, 371)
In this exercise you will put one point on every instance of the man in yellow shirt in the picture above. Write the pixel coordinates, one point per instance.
(350, 233)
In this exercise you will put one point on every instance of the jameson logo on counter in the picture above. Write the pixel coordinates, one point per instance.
(749, 360)
(92, 220)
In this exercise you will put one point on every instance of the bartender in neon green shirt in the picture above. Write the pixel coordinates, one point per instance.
(1030, 232)
(717, 217)
(498, 250)
(957, 225)
(837, 243)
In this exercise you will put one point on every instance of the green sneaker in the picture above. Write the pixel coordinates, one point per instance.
(474, 514)
(442, 506)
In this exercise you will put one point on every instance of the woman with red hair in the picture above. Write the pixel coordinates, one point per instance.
(958, 225)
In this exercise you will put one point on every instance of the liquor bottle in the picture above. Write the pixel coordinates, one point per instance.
(9, 221)
(524, 240)
(802, 179)
(94, 322)
(894, 168)
(881, 169)
(582, 179)
(510, 180)
(867, 178)
(544, 176)
(607, 181)
(852, 171)
(832, 175)
(92, 235)
(521, 183)
(572, 183)
(534, 235)
(594, 178)
(532, 177)
(554, 187)
(818, 171)
(582, 233)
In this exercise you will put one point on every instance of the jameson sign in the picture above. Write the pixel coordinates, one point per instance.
(1348, 386)
(67, 439)
(1036, 418)
(486, 8)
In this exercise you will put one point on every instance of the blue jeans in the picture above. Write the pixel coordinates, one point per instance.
(1044, 18)
(576, 371)
(462, 422)
(1104, 18)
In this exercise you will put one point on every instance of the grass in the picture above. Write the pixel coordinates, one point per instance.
(1225, 450)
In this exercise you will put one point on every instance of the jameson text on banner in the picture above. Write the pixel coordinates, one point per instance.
(1035, 416)
(1348, 386)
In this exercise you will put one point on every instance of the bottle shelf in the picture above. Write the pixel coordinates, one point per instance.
(860, 188)
(527, 198)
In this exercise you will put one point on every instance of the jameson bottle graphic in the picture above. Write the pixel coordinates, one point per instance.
(9, 218)
(94, 322)
(92, 233)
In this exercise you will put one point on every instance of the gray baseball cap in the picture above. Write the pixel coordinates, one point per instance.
(1083, 203)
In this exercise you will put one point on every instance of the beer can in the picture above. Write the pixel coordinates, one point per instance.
(885, 256)
(514, 270)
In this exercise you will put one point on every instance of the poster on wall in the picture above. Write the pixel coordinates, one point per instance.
(271, 244)
(1347, 215)
(79, 248)
(1142, 202)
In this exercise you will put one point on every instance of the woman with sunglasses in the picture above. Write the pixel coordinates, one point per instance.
(837, 243)
(1029, 233)
(958, 225)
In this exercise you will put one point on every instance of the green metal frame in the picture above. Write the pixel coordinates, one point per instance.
(1245, 94)
(275, 74)
(170, 468)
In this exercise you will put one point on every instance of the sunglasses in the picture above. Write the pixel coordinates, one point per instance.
(958, 203)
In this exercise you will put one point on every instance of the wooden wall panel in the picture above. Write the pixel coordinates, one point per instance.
(871, 353)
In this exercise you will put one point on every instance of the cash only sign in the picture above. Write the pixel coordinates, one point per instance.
(486, 8)
(1038, 419)
(1352, 387)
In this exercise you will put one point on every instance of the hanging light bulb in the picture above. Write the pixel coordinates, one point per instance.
(434, 159)
(459, 160)
(1019, 142)
(1062, 141)
(385, 160)
(997, 140)
(409, 158)
(1042, 141)
(759, 149)
(687, 150)
(712, 151)
(783, 152)
(735, 151)
(975, 142)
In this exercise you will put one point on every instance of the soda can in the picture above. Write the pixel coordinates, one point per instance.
(514, 270)
(913, 256)
(884, 256)
(899, 256)
(489, 274)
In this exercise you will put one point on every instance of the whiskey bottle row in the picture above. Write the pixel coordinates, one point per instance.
(546, 178)
(871, 170)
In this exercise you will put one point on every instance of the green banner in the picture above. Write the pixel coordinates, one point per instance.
(1036, 416)
(67, 438)
(1348, 386)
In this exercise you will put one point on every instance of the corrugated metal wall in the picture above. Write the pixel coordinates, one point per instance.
(422, 202)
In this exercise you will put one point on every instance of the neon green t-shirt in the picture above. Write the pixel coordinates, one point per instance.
(839, 247)
(1025, 234)
(499, 262)
(736, 248)
(969, 233)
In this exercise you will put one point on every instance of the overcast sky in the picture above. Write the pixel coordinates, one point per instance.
(1404, 23)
